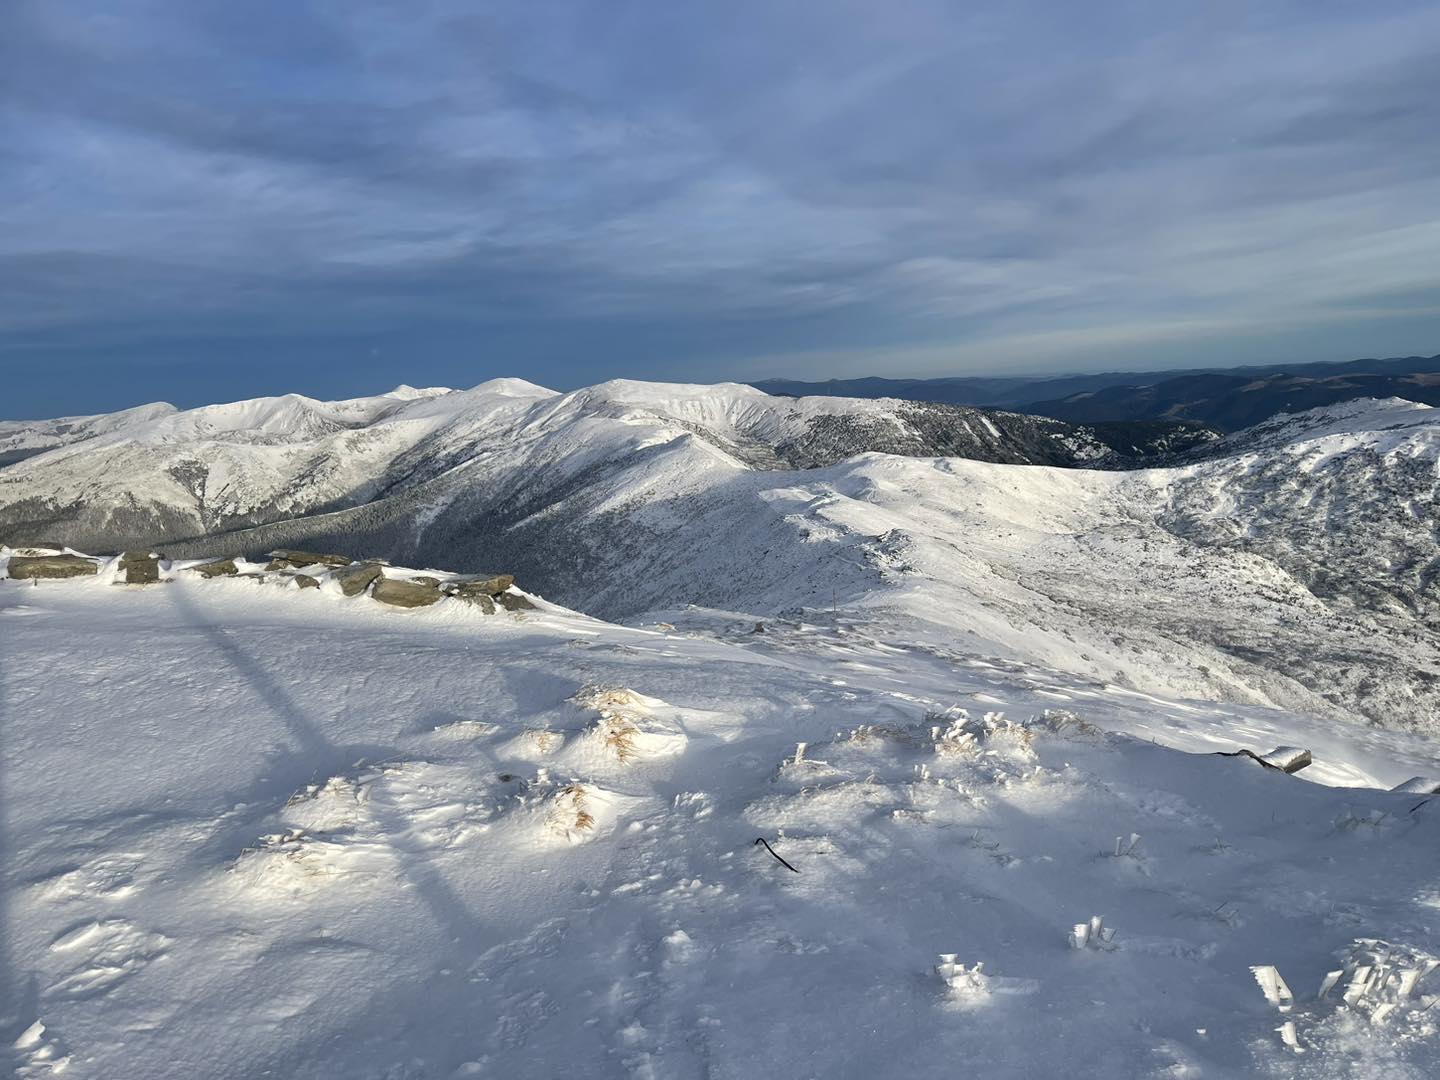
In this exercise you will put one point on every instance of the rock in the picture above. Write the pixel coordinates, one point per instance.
(484, 601)
(1288, 759)
(357, 578)
(305, 581)
(139, 568)
(218, 568)
(514, 602)
(33, 567)
(479, 585)
(290, 559)
(418, 592)
(482, 590)
(1419, 785)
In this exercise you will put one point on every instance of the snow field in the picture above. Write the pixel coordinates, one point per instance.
(258, 830)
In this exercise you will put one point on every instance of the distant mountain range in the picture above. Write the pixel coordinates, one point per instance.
(1293, 563)
(20, 439)
(1226, 399)
(158, 475)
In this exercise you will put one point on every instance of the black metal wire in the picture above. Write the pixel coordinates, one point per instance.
(762, 840)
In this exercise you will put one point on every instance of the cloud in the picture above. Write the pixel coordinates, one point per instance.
(788, 184)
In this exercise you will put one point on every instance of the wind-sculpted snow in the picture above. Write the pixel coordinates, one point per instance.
(264, 831)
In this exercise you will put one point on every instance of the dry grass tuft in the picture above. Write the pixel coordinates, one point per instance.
(544, 740)
(576, 794)
(957, 732)
(1063, 722)
(621, 718)
(618, 733)
(569, 815)
(602, 697)
(867, 733)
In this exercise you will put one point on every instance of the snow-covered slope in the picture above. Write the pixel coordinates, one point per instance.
(252, 831)
(1344, 501)
(20, 439)
(1302, 574)
(1298, 570)
(1364, 420)
(152, 479)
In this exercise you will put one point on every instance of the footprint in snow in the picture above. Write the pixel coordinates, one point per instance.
(109, 877)
(109, 951)
(39, 1053)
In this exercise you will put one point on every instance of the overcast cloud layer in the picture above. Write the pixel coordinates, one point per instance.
(201, 200)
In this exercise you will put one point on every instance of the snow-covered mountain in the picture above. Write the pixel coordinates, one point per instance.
(156, 475)
(1209, 579)
(972, 708)
(20, 439)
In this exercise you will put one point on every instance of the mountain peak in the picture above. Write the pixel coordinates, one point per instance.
(512, 387)
(406, 392)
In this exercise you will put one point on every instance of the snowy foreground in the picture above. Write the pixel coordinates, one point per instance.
(255, 831)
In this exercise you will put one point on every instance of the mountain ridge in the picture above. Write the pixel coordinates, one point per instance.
(1206, 577)
(1225, 398)
(250, 463)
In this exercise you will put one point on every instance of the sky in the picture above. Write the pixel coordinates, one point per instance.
(202, 200)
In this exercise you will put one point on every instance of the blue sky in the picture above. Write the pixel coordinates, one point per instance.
(202, 200)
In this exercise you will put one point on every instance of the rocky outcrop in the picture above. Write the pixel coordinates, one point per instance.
(484, 601)
(1419, 785)
(405, 588)
(218, 568)
(291, 559)
(139, 568)
(40, 548)
(35, 567)
(356, 578)
(474, 585)
(414, 592)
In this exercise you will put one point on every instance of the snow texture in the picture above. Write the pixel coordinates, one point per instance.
(258, 830)
(982, 710)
